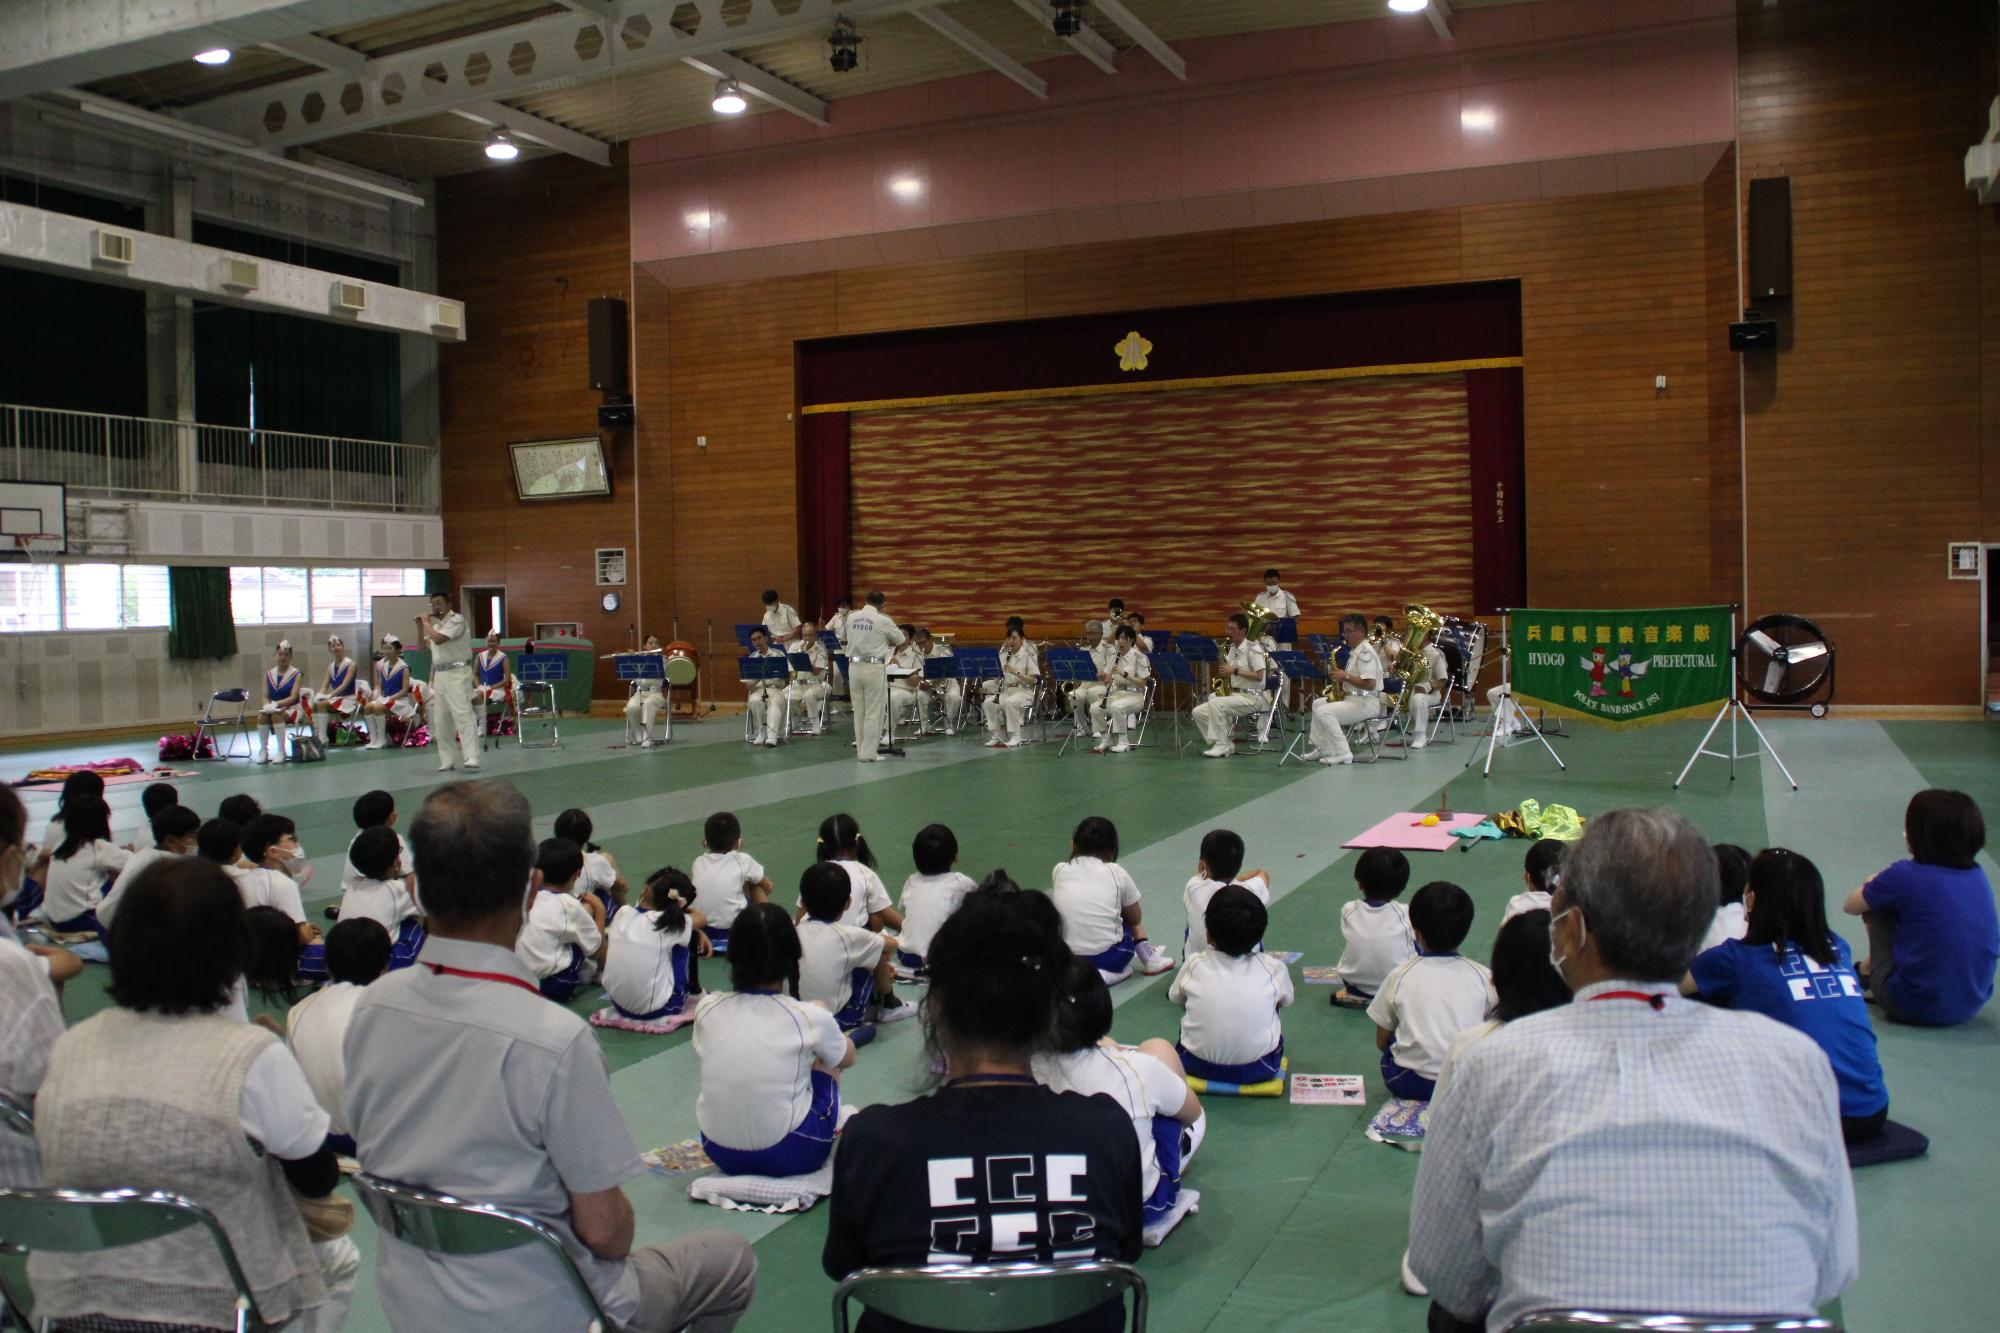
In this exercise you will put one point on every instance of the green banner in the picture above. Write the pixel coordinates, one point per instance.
(1622, 666)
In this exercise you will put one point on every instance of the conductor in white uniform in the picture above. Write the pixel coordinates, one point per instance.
(444, 632)
(870, 637)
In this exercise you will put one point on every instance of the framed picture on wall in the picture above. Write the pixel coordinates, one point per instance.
(560, 469)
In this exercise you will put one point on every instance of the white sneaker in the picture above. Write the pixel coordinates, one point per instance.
(471, 764)
(1219, 751)
(1121, 747)
(1101, 746)
(263, 756)
(995, 743)
(1410, 1283)
(1149, 960)
(1331, 762)
(444, 768)
(893, 1010)
(1420, 742)
(1015, 742)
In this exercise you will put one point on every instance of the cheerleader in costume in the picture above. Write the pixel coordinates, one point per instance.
(285, 704)
(396, 695)
(495, 683)
(340, 694)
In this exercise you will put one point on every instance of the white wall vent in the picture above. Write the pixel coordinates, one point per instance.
(237, 275)
(610, 566)
(448, 317)
(113, 247)
(350, 296)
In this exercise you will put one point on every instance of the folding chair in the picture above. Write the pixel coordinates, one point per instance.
(208, 725)
(1594, 1321)
(535, 681)
(57, 1221)
(992, 1298)
(445, 1228)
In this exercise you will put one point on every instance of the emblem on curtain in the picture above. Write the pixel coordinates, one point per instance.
(1132, 351)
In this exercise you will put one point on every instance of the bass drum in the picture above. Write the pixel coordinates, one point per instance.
(681, 666)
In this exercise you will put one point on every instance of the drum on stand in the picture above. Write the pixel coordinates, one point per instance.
(683, 669)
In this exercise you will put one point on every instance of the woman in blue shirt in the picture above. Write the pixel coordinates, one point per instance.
(1789, 966)
(1933, 934)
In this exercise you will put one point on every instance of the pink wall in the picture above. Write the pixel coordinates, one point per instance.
(1555, 98)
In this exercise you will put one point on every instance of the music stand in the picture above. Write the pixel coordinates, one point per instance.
(836, 652)
(757, 671)
(1285, 630)
(942, 668)
(1297, 666)
(1507, 698)
(743, 635)
(1070, 664)
(1200, 650)
(635, 667)
(539, 674)
(975, 667)
(1171, 668)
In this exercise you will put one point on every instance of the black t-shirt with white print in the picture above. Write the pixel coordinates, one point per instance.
(999, 1173)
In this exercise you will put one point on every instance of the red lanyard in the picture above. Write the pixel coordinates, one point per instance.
(439, 969)
(1658, 1002)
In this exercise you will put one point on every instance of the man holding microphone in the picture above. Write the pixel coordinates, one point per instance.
(444, 633)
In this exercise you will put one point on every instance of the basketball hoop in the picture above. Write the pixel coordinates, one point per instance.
(29, 547)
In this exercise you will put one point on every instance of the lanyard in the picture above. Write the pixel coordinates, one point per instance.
(439, 969)
(1658, 1002)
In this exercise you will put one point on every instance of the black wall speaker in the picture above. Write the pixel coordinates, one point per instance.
(607, 344)
(1770, 238)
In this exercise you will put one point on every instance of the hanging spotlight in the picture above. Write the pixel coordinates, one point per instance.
(1409, 6)
(729, 99)
(217, 55)
(1068, 17)
(500, 146)
(843, 54)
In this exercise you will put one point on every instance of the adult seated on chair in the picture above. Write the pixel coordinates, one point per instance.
(809, 689)
(1363, 676)
(648, 699)
(992, 1167)
(1579, 1158)
(168, 1091)
(462, 1079)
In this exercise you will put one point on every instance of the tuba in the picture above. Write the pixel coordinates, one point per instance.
(1424, 624)
(1260, 619)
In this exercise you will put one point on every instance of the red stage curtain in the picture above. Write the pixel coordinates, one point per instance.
(1499, 489)
(823, 513)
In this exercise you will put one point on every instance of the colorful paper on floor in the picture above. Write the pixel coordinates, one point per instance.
(1401, 1124)
(1327, 1090)
(1288, 958)
(677, 1159)
(1408, 832)
(1320, 976)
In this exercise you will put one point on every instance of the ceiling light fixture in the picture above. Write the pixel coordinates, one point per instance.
(729, 99)
(1409, 6)
(843, 54)
(215, 55)
(906, 187)
(1068, 17)
(500, 146)
(1481, 118)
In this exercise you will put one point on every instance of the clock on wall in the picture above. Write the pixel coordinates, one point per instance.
(610, 601)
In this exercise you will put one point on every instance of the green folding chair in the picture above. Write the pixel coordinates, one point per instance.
(445, 1227)
(58, 1221)
(992, 1298)
(1594, 1321)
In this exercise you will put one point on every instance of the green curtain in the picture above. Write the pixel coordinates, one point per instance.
(200, 623)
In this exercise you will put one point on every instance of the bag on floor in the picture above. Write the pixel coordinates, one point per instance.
(306, 749)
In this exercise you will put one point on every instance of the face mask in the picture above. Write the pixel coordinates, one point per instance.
(1557, 960)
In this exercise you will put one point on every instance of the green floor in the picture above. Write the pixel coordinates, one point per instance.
(1302, 1218)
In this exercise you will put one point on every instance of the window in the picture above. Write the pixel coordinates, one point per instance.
(147, 602)
(246, 594)
(336, 596)
(285, 596)
(92, 597)
(282, 595)
(77, 597)
(30, 598)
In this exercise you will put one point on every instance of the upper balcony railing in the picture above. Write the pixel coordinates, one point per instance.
(146, 458)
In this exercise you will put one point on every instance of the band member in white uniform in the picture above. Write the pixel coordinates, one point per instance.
(1114, 616)
(1137, 620)
(395, 694)
(340, 692)
(647, 699)
(1363, 677)
(870, 637)
(453, 730)
(1244, 665)
(1388, 647)
(906, 697)
(1126, 683)
(493, 680)
(836, 625)
(1009, 699)
(1089, 693)
(808, 689)
(1281, 604)
(285, 702)
(780, 619)
(950, 689)
(1424, 695)
(767, 697)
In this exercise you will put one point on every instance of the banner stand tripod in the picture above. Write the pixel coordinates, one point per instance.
(1734, 708)
(1507, 702)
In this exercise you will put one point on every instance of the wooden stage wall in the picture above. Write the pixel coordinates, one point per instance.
(1174, 501)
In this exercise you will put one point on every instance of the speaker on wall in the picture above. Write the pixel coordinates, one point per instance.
(1770, 238)
(607, 344)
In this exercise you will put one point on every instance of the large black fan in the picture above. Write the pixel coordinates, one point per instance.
(1781, 661)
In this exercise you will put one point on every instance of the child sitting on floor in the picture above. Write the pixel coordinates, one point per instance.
(357, 952)
(1433, 997)
(376, 809)
(1148, 1081)
(1376, 929)
(81, 866)
(770, 1081)
(1732, 866)
(1099, 903)
(840, 840)
(726, 878)
(1542, 871)
(844, 967)
(1220, 863)
(173, 834)
(266, 877)
(1933, 934)
(158, 796)
(600, 872)
(562, 941)
(1231, 1032)
(380, 892)
(648, 948)
(932, 894)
